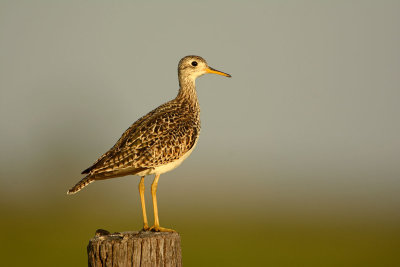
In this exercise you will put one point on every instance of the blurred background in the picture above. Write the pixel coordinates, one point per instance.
(298, 158)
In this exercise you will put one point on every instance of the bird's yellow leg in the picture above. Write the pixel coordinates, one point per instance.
(141, 192)
(156, 227)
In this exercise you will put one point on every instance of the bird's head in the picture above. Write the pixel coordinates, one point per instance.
(191, 67)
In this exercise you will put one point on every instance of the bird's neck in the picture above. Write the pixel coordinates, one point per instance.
(187, 91)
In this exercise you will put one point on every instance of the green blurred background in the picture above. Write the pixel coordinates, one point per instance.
(298, 159)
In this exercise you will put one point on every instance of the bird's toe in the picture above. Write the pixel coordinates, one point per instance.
(161, 229)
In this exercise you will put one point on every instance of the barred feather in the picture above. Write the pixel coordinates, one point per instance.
(80, 185)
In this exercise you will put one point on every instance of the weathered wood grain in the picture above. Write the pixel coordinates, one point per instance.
(134, 249)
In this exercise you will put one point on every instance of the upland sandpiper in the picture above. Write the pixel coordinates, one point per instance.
(158, 142)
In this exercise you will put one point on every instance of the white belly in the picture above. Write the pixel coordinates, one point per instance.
(169, 166)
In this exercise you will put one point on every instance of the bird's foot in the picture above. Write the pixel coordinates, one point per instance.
(156, 228)
(145, 228)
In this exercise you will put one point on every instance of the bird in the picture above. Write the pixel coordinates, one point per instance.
(158, 142)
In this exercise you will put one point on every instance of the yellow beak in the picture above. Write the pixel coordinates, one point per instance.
(211, 70)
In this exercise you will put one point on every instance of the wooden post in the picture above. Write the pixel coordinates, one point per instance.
(134, 249)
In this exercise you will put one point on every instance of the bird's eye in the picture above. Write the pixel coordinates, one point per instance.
(194, 63)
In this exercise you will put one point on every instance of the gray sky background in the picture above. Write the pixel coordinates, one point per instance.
(310, 115)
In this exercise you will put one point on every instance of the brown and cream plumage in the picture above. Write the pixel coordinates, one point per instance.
(159, 141)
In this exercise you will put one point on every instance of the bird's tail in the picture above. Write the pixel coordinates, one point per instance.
(81, 184)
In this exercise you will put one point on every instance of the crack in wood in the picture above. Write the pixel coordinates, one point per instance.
(134, 249)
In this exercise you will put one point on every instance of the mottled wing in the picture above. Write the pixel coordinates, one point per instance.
(160, 137)
(125, 136)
